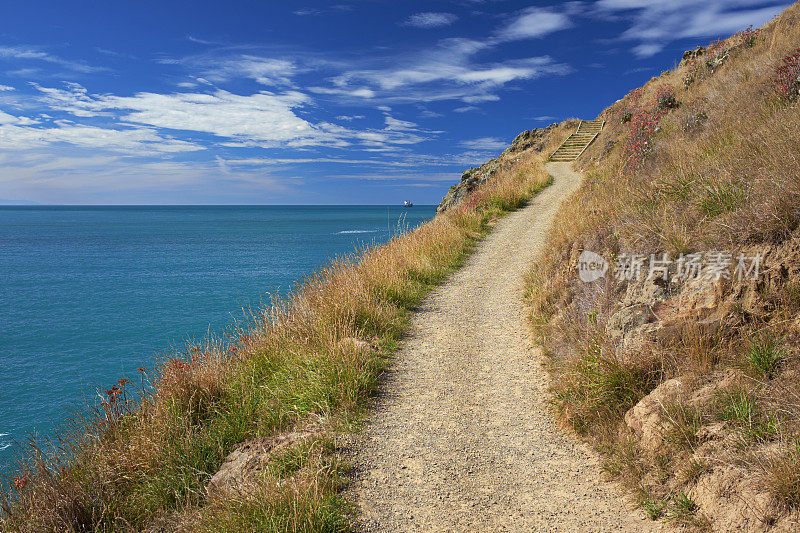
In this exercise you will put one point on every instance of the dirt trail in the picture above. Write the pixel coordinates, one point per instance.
(461, 439)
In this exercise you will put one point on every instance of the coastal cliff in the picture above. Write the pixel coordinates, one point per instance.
(535, 139)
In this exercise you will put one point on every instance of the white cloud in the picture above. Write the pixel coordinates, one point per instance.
(69, 176)
(430, 20)
(312, 11)
(267, 161)
(534, 22)
(447, 72)
(356, 92)
(485, 143)
(349, 118)
(6, 88)
(5, 118)
(216, 69)
(29, 53)
(655, 24)
(20, 135)
(478, 98)
(399, 125)
(264, 119)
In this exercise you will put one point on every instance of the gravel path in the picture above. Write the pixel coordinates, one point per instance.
(461, 439)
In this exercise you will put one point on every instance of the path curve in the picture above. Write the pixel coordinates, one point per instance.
(460, 438)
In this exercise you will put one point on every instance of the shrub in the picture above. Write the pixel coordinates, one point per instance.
(629, 106)
(665, 98)
(718, 52)
(787, 79)
(639, 140)
(597, 389)
(695, 115)
(748, 37)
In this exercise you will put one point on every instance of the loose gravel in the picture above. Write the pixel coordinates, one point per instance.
(461, 438)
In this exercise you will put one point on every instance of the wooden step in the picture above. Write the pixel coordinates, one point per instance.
(576, 144)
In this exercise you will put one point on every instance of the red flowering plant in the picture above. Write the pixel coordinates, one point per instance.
(691, 72)
(639, 139)
(787, 79)
(116, 402)
(665, 98)
(629, 106)
(748, 37)
(717, 53)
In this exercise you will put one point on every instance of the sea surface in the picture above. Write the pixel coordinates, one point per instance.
(88, 294)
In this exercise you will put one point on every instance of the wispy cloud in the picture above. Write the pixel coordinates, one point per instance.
(484, 143)
(446, 72)
(30, 53)
(148, 122)
(449, 70)
(653, 25)
(213, 67)
(23, 133)
(315, 11)
(534, 22)
(64, 176)
(430, 20)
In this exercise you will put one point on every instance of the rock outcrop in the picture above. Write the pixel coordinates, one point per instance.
(243, 469)
(691, 55)
(534, 139)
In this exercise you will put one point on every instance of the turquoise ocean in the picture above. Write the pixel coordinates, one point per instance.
(89, 294)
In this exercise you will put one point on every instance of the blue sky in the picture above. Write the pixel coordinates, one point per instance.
(295, 102)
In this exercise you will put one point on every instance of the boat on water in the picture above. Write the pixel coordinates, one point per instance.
(408, 203)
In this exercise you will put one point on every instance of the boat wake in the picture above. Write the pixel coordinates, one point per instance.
(353, 231)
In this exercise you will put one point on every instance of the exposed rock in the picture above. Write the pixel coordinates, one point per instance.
(627, 319)
(648, 419)
(630, 326)
(728, 379)
(691, 55)
(244, 467)
(733, 497)
(534, 139)
(525, 140)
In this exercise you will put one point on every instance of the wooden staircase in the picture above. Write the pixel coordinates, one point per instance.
(578, 141)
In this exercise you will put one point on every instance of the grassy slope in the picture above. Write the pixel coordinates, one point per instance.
(136, 464)
(715, 167)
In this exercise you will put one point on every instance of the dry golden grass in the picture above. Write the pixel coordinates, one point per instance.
(721, 171)
(145, 456)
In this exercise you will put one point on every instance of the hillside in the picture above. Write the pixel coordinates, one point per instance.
(678, 363)
(242, 433)
(681, 363)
